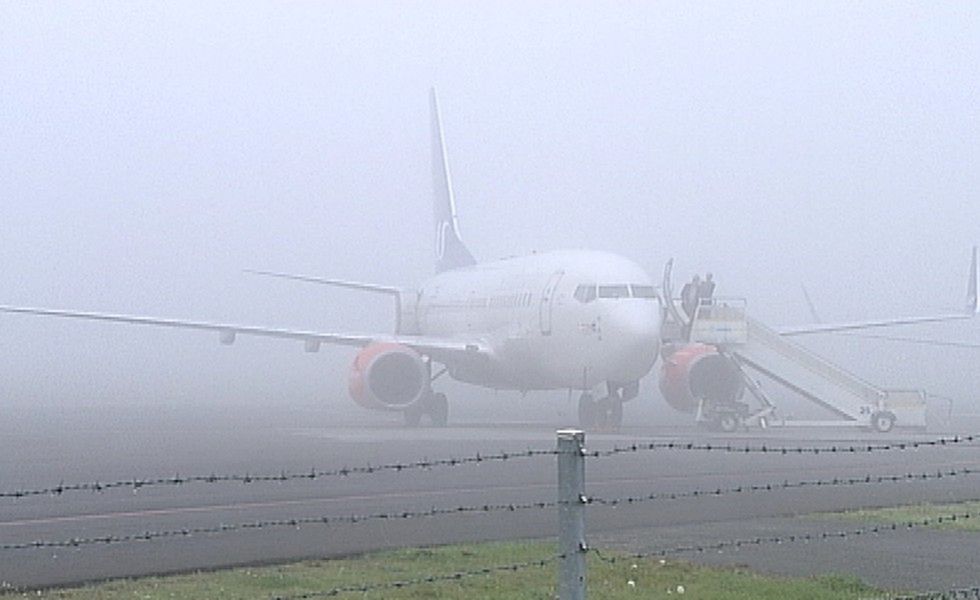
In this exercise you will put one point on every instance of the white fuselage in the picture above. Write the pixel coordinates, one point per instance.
(556, 320)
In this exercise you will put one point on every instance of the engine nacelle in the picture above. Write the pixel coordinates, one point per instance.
(698, 371)
(388, 376)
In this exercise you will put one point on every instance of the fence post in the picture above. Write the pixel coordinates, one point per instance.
(571, 514)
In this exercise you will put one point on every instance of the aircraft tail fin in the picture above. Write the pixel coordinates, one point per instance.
(450, 252)
(972, 299)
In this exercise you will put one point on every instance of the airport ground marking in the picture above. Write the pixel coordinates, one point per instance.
(137, 483)
(187, 532)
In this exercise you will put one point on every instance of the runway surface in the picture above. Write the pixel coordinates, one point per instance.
(42, 447)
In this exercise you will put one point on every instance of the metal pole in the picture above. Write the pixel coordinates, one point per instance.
(571, 514)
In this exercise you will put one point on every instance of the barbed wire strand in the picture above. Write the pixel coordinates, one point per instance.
(405, 583)
(807, 537)
(147, 536)
(784, 450)
(972, 592)
(784, 485)
(796, 537)
(314, 474)
(136, 484)
(473, 509)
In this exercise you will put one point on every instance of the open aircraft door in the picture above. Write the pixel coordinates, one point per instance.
(547, 302)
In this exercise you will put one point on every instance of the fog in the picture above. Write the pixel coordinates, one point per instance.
(150, 152)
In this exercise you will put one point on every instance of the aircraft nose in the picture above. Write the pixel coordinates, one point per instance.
(636, 331)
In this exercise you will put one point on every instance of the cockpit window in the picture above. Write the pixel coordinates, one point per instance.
(614, 291)
(585, 293)
(644, 291)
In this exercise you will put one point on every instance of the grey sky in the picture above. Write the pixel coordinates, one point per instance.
(150, 151)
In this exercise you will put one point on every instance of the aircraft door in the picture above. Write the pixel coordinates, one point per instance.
(547, 302)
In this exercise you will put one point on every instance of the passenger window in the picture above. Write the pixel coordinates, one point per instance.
(614, 291)
(644, 291)
(585, 293)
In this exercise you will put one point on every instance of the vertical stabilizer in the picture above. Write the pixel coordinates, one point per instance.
(971, 288)
(451, 253)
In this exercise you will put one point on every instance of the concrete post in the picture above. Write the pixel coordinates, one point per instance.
(571, 514)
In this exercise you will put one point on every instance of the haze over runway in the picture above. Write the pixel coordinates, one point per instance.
(149, 153)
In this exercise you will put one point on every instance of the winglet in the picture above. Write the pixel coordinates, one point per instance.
(809, 303)
(972, 299)
(451, 253)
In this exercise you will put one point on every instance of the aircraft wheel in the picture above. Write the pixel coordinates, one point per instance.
(882, 422)
(439, 410)
(615, 415)
(728, 422)
(588, 411)
(631, 390)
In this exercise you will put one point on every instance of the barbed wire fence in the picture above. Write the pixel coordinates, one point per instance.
(314, 474)
(571, 504)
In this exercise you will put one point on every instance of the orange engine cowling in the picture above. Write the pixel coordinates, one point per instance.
(698, 371)
(388, 376)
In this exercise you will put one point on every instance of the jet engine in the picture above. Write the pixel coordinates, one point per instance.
(388, 376)
(695, 372)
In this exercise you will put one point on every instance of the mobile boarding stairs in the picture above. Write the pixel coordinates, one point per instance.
(759, 350)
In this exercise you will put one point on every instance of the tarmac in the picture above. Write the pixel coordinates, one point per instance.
(41, 448)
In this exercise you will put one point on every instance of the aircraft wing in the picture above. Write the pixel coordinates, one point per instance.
(915, 340)
(440, 349)
(972, 308)
(858, 325)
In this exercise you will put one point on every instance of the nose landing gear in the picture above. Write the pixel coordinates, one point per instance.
(603, 414)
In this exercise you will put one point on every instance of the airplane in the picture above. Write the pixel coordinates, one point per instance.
(575, 319)
(578, 320)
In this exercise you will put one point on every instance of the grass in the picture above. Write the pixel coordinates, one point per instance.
(619, 579)
(916, 512)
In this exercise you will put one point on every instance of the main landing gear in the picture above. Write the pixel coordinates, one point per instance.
(605, 413)
(435, 405)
